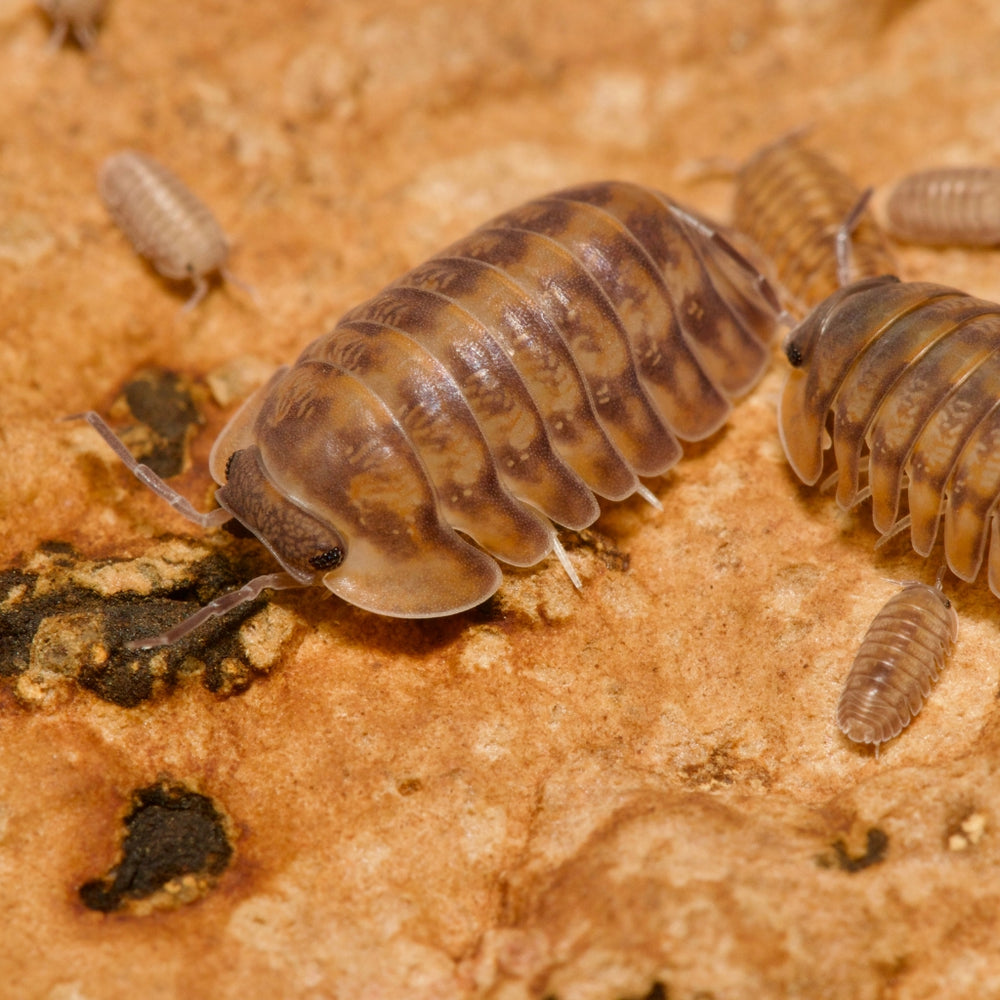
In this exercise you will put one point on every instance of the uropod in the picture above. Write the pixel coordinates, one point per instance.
(555, 355)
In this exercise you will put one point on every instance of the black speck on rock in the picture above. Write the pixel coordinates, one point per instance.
(170, 832)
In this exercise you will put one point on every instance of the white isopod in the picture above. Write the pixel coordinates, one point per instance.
(902, 653)
(958, 205)
(165, 221)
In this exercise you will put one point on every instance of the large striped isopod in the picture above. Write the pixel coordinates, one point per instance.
(798, 208)
(552, 356)
(911, 374)
(948, 205)
(80, 16)
(900, 657)
(164, 220)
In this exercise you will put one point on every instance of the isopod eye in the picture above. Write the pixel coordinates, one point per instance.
(330, 559)
(302, 543)
(794, 354)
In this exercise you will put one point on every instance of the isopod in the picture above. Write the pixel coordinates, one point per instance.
(901, 655)
(80, 16)
(554, 355)
(911, 373)
(164, 220)
(810, 219)
(949, 205)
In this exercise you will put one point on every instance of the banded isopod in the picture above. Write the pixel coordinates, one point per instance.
(911, 373)
(80, 16)
(948, 205)
(901, 655)
(164, 220)
(797, 206)
(554, 355)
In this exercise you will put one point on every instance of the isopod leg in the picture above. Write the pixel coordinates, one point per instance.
(843, 240)
(560, 554)
(86, 35)
(271, 581)
(242, 285)
(761, 286)
(58, 36)
(648, 496)
(148, 478)
(901, 525)
(200, 291)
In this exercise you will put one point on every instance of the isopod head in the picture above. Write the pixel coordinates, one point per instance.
(316, 467)
(805, 400)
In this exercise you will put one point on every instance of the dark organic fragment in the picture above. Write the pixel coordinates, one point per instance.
(175, 842)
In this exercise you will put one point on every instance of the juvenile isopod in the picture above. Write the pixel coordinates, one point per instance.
(910, 372)
(958, 205)
(554, 355)
(810, 220)
(79, 16)
(164, 220)
(900, 657)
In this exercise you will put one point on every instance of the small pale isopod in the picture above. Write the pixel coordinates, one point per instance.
(80, 16)
(554, 355)
(164, 220)
(900, 657)
(798, 208)
(911, 374)
(958, 205)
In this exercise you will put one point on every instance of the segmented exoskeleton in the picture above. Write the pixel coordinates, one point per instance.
(811, 221)
(910, 373)
(900, 657)
(164, 220)
(957, 205)
(551, 357)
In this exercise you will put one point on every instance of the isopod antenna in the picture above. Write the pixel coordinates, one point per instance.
(209, 519)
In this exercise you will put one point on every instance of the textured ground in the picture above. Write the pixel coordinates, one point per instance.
(636, 791)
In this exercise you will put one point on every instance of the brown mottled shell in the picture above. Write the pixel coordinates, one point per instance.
(901, 655)
(792, 201)
(957, 205)
(552, 356)
(164, 221)
(911, 375)
(79, 16)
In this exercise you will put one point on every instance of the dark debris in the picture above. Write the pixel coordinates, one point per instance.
(55, 631)
(174, 839)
